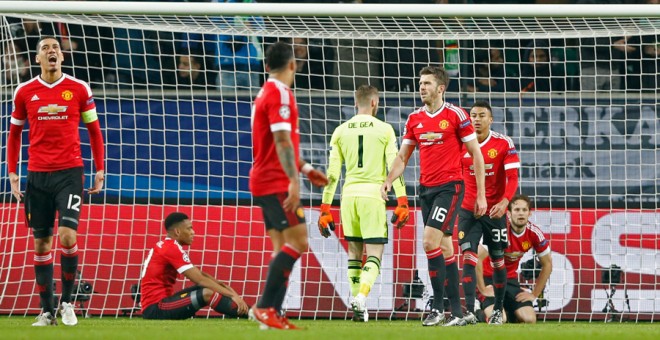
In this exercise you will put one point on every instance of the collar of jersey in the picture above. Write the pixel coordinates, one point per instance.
(51, 85)
(437, 112)
(276, 81)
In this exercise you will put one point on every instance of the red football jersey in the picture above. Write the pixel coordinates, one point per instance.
(163, 264)
(519, 244)
(439, 136)
(274, 110)
(499, 155)
(53, 112)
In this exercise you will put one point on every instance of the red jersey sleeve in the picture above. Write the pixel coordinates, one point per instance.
(540, 243)
(86, 99)
(408, 133)
(511, 160)
(18, 116)
(178, 258)
(464, 130)
(278, 110)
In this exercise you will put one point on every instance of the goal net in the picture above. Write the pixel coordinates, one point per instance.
(576, 87)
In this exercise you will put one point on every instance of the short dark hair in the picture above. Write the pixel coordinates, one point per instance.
(521, 197)
(441, 76)
(173, 219)
(42, 38)
(484, 104)
(278, 55)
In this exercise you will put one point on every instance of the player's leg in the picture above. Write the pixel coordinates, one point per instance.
(374, 230)
(181, 305)
(68, 188)
(350, 222)
(40, 216)
(520, 311)
(469, 235)
(294, 233)
(277, 241)
(496, 237)
(450, 200)
(432, 238)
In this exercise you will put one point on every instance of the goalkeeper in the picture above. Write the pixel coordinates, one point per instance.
(367, 147)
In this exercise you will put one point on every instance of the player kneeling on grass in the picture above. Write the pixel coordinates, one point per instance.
(367, 147)
(523, 236)
(163, 264)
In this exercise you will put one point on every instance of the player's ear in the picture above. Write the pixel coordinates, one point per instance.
(36, 58)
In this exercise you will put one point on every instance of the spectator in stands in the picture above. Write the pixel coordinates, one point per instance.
(488, 71)
(190, 73)
(140, 56)
(14, 65)
(536, 72)
(314, 69)
(240, 57)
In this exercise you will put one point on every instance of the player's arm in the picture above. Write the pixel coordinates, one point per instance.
(287, 157)
(14, 145)
(472, 147)
(90, 118)
(398, 166)
(197, 276)
(479, 269)
(317, 178)
(402, 211)
(335, 162)
(510, 165)
(541, 281)
(222, 284)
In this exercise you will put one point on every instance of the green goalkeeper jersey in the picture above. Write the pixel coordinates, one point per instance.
(367, 146)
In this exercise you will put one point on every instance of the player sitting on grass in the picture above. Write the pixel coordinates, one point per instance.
(163, 264)
(523, 236)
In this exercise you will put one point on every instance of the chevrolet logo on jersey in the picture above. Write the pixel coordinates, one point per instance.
(487, 166)
(431, 136)
(52, 109)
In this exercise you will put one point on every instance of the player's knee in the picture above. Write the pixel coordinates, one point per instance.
(207, 294)
(526, 317)
(67, 236)
(495, 254)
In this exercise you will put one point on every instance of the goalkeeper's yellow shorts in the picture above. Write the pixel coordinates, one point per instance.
(363, 219)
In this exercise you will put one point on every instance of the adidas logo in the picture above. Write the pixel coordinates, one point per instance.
(419, 126)
(35, 97)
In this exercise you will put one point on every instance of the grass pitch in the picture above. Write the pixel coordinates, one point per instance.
(125, 328)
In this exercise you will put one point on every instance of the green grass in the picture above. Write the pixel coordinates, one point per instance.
(124, 328)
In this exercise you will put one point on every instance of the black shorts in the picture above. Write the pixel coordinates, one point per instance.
(182, 305)
(510, 304)
(440, 205)
(49, 192)
(471, 229)
(274, 215)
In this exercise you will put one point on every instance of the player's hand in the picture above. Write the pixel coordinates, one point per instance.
(98, 183)
(488, 291)
(385, 188)
(325, 221)
(15, 183)
(401, 213)
(292, 201)
(317, 178)
(525, 296)
(242, 306)
(499, 209)
(480, 206)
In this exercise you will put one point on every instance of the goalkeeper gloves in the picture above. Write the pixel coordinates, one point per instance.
(325, 221)
(401, 213)
(317, 178)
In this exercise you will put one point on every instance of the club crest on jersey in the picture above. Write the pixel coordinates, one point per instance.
(443, 124)
(526, 245)
(492, 153)
(67, 95)
(285, 112)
